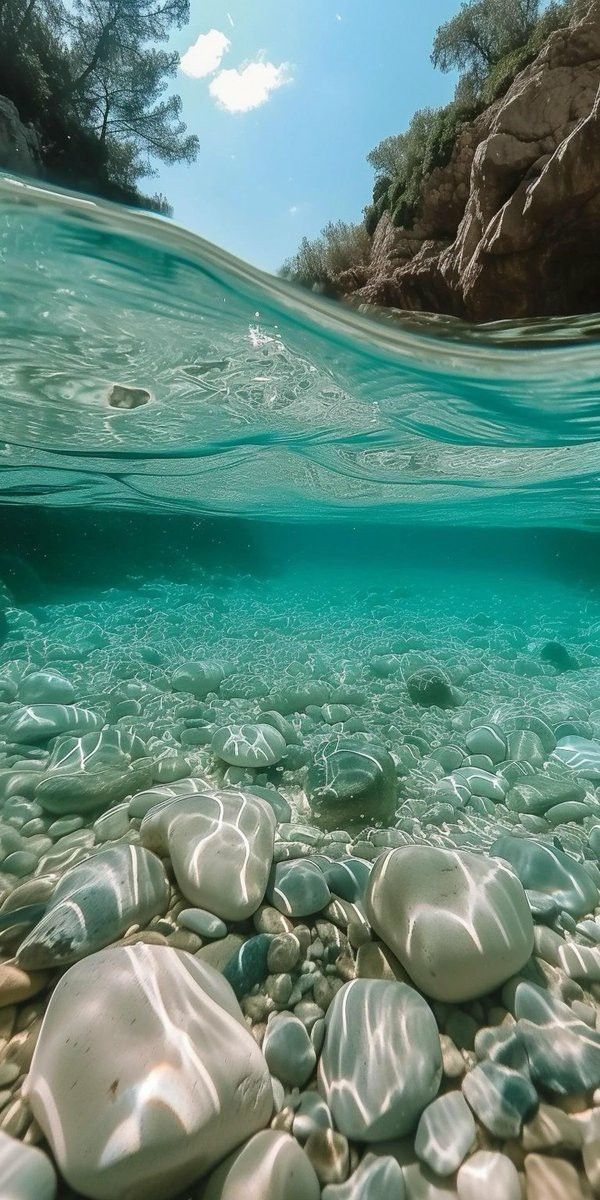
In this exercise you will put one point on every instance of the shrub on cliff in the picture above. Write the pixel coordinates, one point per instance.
(319, 261)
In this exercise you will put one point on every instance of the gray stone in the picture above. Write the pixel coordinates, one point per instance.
(351, 781)
(25, 1171)
(270, 1166)
(376, 1177)
(297, 888)
(94, 903)
(501, 1098)
(256, 746)
(563, 1052)
(381, 1061)
(548, 870)
(37, 723)
(581, 755)
(288, 1050)
(205, 924)
(490, 1175)
(445, 1133)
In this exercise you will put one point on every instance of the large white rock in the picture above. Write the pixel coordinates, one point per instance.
(381, 1061)
(94, 903)
(271, 1166)
(221, 846)
(144, 1074)
(25, 1172)
(459, 923)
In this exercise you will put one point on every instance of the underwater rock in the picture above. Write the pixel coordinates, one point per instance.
(501, 1098)
(256, 746)
(558, 656)
(489, 1174)
(198, 678)
(288, 1050)
(351, 781)
(92, 772)
(94, 903)
(46, 687)
(459, 923)
(581, 755)
(271, 1166)
(563, 1052)
(221, 847)
(381, 1062)
(248, 967)
(429, 687)
(123, 396)
(297, 888)
(144, 1046)
(37, 723)
(25, 1171)
(549, 871)
(445, 1133)
(376, 1176)
(538, 793)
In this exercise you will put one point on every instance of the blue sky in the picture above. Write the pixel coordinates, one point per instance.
(328, 80)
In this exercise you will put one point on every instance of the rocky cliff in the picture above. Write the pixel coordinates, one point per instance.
(19, 143)
(511, 226)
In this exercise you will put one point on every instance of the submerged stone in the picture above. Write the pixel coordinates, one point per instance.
(94, 903)
(459, 923)
(430, 687)
(256, 746)
(352, 781)
(547, 870)
(381, 1062)
(37, 723)
(221, 847)
(144, 1046)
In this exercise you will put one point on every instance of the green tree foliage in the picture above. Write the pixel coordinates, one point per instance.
(483, 32)
(90, 77)
(319, 261)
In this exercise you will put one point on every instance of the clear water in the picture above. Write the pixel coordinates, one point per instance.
(310, 497)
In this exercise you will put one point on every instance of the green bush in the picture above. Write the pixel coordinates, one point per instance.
(319, 261)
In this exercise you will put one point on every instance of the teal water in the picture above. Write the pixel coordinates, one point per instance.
(204, 470)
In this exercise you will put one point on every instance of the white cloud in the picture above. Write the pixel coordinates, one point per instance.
(293, 210)
(240, 90)
(205, 55)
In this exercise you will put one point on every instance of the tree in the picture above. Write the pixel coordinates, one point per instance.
(483, 32)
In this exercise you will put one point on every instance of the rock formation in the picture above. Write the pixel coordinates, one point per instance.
(511, 226)
(19, 145)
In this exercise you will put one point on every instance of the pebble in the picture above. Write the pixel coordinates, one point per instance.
(348, 780)
(445, 1133)
(381, 1061)
(288, 1050)
(256, 746)
(271, 1166)
(500, 1097)
(199, 921)
(18, 984)
(329, 1154)
(25, 1172)
(247, 967)
(488, 1175)
(375, 1177)
(297, 889)
(551, 1179)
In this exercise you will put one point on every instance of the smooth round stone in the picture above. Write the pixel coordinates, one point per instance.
(581, 755)
(548, 1178)
(198, 678)
(248, 967)
(284, 953)
(523, 745)
(205, 924)
(143, 802)
(329, 1154)
(297, 888)
(94, 903)
(20, 862)
(539, 793)
(563, 1052)
(350, 781)
(271, 1166)
(546, 869)
(488, 1175)
(256, 746)
(501, 1098)
(288, 1050)
(430, 687)
(445, 1133)
(570, 812)
(459, 923)
(310, 1115)
(26, 1173)
(280, 806)
(18, 984)
(489, 740)
(140, 1047)
(381, 1061)
(221, 847)
(37, 723)
(46, 687)
(348, 878)
(113, 824)
(376, 1178)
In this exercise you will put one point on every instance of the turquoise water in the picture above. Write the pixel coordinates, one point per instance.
(224, 504)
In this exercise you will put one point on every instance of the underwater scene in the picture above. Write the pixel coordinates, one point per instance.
(299, 733)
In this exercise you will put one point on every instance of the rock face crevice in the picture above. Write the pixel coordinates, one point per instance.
(511, 226)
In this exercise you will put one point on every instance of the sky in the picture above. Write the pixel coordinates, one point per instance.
(288, 97)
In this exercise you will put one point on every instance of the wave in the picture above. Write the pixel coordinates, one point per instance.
(255, 398)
